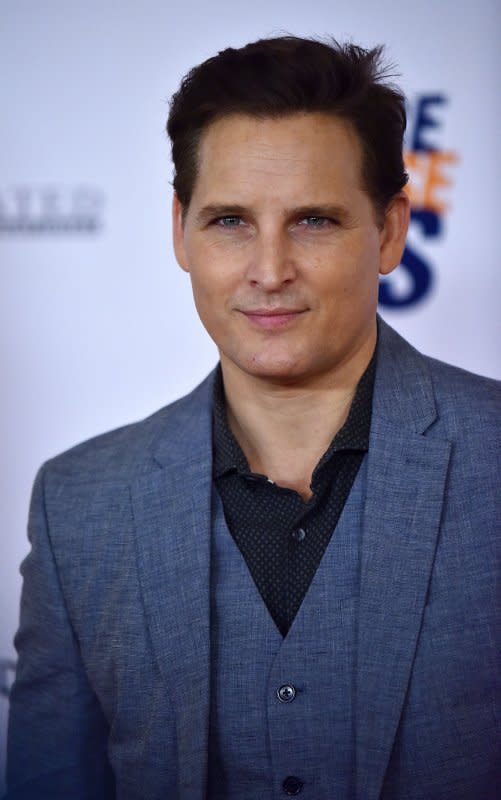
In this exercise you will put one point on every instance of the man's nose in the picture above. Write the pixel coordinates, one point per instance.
(272, 263)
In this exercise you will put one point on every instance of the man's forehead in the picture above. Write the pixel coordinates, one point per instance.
(309, 146)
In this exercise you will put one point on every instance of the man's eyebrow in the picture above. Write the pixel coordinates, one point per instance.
(328, 210)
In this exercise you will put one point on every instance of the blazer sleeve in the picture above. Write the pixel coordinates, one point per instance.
(57, 733)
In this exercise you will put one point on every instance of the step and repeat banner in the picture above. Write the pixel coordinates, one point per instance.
(97, 323)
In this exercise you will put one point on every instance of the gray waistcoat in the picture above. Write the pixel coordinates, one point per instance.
(257, 739)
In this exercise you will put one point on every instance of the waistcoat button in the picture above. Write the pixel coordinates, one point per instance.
(299, 534)
(286, 693)
(292, 785)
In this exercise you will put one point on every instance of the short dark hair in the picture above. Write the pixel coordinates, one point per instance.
(272, 78)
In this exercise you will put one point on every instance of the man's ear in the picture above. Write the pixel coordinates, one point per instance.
(178, 233)
(394, 233)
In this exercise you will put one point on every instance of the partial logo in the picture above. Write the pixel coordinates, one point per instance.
(7, 672)
(430, 167)
(51, 210)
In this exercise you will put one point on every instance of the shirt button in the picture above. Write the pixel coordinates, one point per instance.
(286, 693)
(292, 785)
(299, 534)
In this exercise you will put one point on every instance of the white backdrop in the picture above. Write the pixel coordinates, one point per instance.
(96, 321)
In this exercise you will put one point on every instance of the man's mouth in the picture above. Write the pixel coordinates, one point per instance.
(272, 317)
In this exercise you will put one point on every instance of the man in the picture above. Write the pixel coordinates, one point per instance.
(282, 584)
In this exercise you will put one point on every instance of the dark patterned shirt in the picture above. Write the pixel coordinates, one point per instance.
(282, 537)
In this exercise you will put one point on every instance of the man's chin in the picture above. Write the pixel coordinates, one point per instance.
(277, 371)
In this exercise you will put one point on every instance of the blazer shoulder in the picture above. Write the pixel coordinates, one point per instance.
(461, 387)
(125, 452)
(417, 390)
(468, 404)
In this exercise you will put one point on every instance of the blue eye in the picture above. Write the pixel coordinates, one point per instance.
(317, 222)
(228, 222)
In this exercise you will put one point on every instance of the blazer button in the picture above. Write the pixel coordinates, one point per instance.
(286, 693)
(292, 785)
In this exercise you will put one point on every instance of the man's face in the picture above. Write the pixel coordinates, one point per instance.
(282, 246)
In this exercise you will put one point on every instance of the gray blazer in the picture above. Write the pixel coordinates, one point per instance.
(111, 697)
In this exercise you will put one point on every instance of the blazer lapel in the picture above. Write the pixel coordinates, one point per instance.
(173, 517)
(405, 487)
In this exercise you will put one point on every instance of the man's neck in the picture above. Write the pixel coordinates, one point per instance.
(283, 429)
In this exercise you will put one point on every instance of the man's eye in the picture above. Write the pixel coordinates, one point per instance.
(228, 221)
(316, 222)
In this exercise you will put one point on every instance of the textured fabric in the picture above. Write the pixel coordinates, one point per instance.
(281, 537)
(113, 675)
(257, 741)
